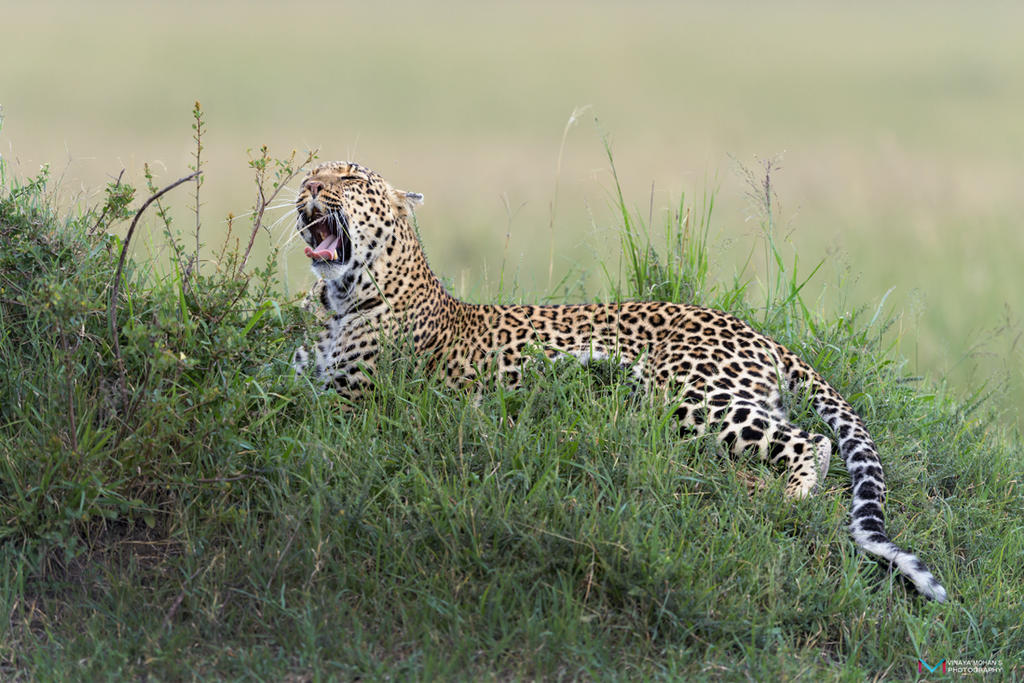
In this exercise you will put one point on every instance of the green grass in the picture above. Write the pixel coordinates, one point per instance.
(219, 518)
(899, 128)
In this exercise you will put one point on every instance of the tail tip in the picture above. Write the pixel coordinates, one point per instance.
(935, 591)
(915, 570)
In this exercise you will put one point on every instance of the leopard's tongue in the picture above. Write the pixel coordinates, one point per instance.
(326, 250)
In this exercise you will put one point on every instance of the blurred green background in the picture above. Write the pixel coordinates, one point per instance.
(898, 128)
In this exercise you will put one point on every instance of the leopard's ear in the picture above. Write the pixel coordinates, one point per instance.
(405, 201)
(412, 198)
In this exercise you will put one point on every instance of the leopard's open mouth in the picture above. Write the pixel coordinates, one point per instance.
(330, 234)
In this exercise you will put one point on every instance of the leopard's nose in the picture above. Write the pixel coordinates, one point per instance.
(314, 187)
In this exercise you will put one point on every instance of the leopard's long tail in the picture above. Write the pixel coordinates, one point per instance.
(867, 519)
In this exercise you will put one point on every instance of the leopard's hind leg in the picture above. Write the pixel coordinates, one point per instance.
(745, 426)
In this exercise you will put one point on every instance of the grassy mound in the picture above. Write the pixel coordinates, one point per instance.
(180, 506)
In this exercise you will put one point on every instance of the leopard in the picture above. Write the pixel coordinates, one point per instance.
(722, 377)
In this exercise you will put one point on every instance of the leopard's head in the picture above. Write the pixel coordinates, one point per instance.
(347, 214)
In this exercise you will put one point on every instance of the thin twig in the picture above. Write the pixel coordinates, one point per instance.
(116, 289)
(178, 600)
(198, 126)
(174, 608)
(103, 215)
(264, 202)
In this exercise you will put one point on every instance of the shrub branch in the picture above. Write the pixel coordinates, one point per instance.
(286, 170)
(116, 289)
